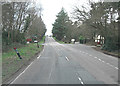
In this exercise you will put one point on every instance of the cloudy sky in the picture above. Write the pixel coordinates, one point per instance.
(52, 7)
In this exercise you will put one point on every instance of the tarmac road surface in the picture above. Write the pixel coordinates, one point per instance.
(70, 64)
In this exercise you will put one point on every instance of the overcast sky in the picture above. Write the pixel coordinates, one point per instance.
(52, 7)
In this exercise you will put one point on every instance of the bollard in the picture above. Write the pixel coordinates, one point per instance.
(37, 45)
(17, 53)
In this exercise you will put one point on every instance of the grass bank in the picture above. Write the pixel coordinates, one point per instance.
(61, 42)
(11, 63)
(113, 53)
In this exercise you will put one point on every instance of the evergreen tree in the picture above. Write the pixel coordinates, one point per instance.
(59, 27)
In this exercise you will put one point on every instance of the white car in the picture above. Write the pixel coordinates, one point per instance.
(35, 41)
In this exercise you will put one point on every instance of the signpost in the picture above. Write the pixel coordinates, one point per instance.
(17, 53)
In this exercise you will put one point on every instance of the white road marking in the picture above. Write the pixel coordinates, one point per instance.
(80, 80)
(28, 67)
(107, 63)
(103, 61)
(21, 74)
(111, 65)
(39, 56)
(90, 55)
(67, 58)
(16, 78)
(116, 68)
(50, 73)
(43, 50)
(99, 59)
(96, 57)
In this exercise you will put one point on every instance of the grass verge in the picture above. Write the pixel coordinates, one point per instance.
(11, 63)
(61, 42)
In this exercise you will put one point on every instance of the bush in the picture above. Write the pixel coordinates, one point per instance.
(82, 39)
(111, 44)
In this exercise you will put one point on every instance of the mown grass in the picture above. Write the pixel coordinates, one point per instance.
(61, 42)
(11, 63)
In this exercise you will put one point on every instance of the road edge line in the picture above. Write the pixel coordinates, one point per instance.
(21, 73)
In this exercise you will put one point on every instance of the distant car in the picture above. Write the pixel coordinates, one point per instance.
(35, 41)
(73, 41)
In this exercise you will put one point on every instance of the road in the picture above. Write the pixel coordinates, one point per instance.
(69, 64)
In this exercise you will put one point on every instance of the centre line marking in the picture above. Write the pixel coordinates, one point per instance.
(90, 55)
(80, 80)
(103, 61)
(108, 63)
(111, 65)
(116, 68)
(100, 59)
(67, 58)
(95, 57)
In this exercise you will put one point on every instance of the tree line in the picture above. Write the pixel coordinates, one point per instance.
(102, 18)
(20, 21)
